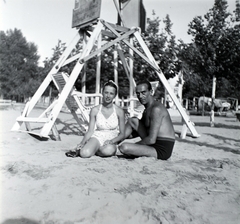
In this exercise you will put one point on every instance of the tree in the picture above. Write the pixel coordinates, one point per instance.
(194, 84)
(162, 44)
(57, 52)
(237, 11)
(18, 65)
(216, 40)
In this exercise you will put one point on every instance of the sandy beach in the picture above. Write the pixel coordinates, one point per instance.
(199, 184)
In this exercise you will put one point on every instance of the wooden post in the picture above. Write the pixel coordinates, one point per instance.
(131, 86)
(203, 105)
(115, 67)
(186, 106)
(84, 69)
(180, 86)
(184, 128)
(213, 99)
(98, 70)
(194, 103)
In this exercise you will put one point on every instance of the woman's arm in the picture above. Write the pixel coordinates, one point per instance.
(91, 126)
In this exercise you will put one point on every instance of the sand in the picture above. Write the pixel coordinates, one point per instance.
(199, 184)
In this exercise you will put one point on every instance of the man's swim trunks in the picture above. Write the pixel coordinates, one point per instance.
(106, 128)
(164, 147)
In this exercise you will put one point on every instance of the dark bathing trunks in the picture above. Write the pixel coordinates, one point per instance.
(163, 147)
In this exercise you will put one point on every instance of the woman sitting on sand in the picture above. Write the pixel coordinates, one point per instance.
(110, 124)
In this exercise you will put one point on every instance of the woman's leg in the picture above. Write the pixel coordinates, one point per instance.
(107, 150)
(90, 148)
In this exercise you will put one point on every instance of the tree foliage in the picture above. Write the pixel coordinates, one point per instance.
(18, 65)
(163, 45)
(57, 52)
(215, 50)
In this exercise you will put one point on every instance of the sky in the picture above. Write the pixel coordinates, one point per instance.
(44, 22)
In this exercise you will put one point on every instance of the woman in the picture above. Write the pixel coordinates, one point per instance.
(110, 124)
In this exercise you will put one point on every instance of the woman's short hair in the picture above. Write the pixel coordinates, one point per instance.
(112, 84)
(145, 82)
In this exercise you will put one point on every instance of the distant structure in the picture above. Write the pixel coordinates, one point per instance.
(85, 12)
(133, 14)
(177, 85)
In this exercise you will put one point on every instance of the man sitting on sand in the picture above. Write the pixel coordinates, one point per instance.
(155, 128)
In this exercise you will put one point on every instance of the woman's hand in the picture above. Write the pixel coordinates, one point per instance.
(108, 142)
(79, 146)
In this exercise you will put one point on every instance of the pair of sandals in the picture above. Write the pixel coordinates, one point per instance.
(73, 154)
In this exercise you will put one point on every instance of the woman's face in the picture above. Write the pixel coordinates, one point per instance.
(109, 94)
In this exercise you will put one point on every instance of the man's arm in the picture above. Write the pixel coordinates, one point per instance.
(155, 122)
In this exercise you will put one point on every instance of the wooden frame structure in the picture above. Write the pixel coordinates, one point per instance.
(94, 46)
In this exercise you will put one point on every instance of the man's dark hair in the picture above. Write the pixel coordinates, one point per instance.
(145, 82)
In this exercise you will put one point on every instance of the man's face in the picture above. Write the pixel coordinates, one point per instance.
(143, 93)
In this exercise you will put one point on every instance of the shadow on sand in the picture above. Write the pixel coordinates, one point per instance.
(67, 128)
(20, 221)
(224, 148)
(223, 138)
(207, 124)
(216, 125)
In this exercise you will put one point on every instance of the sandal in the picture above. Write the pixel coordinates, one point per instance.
(72, 154)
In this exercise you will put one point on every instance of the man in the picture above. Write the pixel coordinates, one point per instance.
(155, 128)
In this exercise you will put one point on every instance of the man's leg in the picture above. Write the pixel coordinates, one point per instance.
(137, 150)
(132, 149)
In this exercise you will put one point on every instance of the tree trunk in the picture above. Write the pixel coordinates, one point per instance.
(180, 87)
(213, 99)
